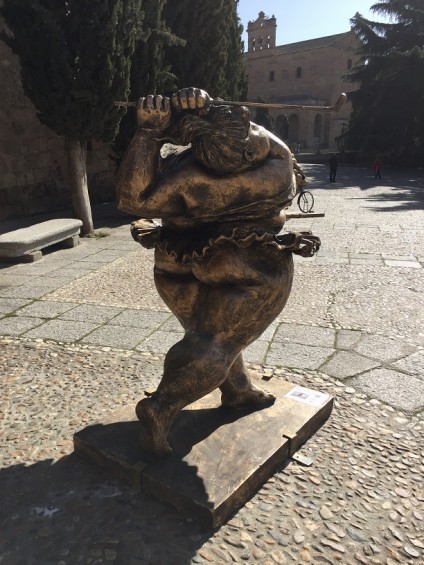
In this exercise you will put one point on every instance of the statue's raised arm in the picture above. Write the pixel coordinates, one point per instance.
(187, 186)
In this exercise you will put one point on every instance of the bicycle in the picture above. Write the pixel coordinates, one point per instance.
(305, 200)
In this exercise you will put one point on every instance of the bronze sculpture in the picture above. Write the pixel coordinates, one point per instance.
(220, 184)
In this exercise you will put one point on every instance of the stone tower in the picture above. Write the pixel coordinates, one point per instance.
(262, 33)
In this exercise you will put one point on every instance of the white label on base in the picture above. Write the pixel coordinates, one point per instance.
(307, 396)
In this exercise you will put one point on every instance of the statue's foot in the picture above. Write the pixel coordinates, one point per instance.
(152, 435)
(250, 397)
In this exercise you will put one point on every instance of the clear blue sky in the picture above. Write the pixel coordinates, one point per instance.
(298, 20)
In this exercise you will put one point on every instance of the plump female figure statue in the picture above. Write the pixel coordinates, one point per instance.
(220, 265)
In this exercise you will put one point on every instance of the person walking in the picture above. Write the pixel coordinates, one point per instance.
(377, 169)
(334, 163)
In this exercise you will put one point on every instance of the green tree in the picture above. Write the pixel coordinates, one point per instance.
(387, 109)
(212, 56)
(75, 62)
(150, 73)
(235, 72)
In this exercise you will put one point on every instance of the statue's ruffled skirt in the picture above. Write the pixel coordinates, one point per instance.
(193, 245)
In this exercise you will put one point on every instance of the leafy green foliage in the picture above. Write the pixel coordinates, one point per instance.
(388, 110)
(75, 60)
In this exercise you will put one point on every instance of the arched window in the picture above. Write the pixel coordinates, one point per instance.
(282, 127)
(318, 126)
(294, 128)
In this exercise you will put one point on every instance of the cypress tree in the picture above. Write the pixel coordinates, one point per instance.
(75, 62)
(212, 54)
(387, 109)
(235, 72)
(150, 73)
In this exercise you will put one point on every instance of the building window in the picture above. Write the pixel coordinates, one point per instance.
(349, 63)
(271, 75)
(299, 72)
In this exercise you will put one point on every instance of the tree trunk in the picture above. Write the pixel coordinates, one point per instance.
(77, 159)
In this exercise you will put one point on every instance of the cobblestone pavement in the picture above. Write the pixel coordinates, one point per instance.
(85, 331)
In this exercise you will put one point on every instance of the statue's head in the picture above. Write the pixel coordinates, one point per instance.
(224, 141)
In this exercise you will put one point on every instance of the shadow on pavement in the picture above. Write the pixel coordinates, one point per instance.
(405, 198)
(67, 511)
(104, 216)
(108, 216)
(405, 189)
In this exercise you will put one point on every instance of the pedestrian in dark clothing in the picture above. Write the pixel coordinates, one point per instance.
(377, 169)
(334, 163)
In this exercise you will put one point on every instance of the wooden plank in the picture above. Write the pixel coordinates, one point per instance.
(221, 456)
(310, 215)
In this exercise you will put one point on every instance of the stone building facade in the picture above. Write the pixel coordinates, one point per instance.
(303, 73)
(33, 165)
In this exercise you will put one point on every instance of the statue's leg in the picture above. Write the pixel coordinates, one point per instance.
(186, 375)
(233, 297)
(237, 389)
(193, 367)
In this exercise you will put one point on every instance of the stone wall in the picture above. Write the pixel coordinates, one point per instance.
(306, 73)
(33, 166)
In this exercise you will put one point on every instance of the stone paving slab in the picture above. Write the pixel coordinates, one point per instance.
(8, 305)
(77, 270)
(412, 364)
(309, 335)
(104, 256)
(114, 336)
(93, 313)
(145, 319)
(345, 364)
(297, 355)
(32, 290)
(257, 352)
(346, 339)
(392, 387)
(160, 341)
(403, 264)
(61, 330)
(383, 348)
(18, 325)
(41, 309)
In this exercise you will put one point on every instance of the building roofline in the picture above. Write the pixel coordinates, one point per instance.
(312, 43)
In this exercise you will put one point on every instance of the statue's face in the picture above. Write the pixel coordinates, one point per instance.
(258, 145)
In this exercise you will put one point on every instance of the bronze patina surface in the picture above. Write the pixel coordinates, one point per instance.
(220, 184)
(220, 457)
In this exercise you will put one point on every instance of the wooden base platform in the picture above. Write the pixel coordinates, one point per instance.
(221, 456)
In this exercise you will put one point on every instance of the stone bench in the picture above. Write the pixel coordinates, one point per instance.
(25, 244)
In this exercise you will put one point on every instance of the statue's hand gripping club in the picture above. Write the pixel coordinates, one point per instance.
(155, 112)
(192, 99)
